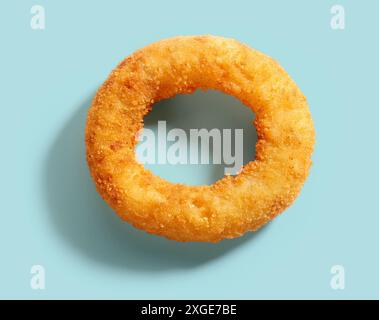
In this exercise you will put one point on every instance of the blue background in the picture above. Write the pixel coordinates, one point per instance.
(52, 215)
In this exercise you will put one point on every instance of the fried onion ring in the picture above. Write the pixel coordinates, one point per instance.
(233, 205)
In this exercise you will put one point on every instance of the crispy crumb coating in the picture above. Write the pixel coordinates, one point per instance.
(233, 205)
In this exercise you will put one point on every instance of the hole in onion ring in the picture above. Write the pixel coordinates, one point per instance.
(197, 138)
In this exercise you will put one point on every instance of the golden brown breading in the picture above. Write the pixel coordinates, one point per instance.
(233, 205)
